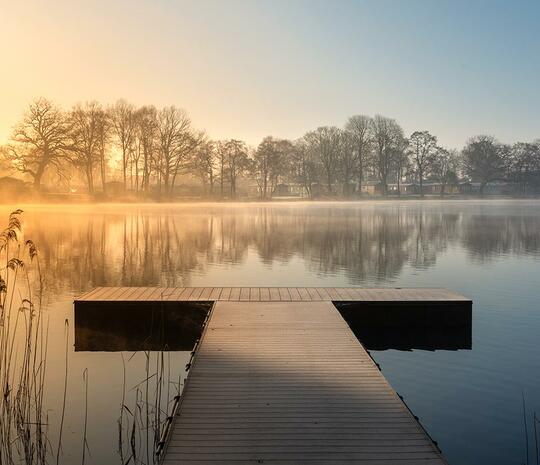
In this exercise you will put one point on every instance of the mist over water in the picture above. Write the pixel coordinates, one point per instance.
(470, 401)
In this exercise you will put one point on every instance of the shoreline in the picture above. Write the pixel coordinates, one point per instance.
(275, 203)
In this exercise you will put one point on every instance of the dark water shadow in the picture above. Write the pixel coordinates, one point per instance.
(134, 326)
(409, 326)
(175, 326)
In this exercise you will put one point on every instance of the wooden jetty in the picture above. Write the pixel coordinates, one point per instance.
(280, 378)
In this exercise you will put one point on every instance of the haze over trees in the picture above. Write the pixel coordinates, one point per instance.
(123, 150)
(41, 141)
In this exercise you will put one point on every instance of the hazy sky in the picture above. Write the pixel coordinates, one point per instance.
(247, 69)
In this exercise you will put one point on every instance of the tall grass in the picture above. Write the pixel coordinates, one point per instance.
(23, 350)
(24, 424)
(143, 420)
(143, 423)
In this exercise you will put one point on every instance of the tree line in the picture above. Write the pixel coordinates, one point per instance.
(148, 150)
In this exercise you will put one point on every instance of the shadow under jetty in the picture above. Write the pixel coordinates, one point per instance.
(134, 326)
(409, 326)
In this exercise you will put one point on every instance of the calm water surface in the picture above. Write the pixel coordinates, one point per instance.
(470, 401)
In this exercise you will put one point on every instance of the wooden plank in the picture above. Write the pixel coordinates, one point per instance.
(355, 293)
(100, 291)
(205, 294)
(304, 294)
(162, 293)
(87, 295)
(152, 294)
(103, 293)
(274, 294)
(265, 293)
(137, 295)
(186, 292)
(174, 294)
(313, 294)
(225, 293)
(295, 295)
(159, 294)
(254, 294)
(324, 293)
(235, 293)
(341, 295)
(216, 293)
(288, 383)
(119, 295)
(308, 294)
(244, 293)
(196, 294)
(284, 294)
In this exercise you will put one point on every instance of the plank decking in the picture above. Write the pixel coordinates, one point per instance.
(280, 378)
(288, 383)
(270, 294)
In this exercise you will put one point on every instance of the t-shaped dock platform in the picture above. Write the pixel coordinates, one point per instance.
(280, 378)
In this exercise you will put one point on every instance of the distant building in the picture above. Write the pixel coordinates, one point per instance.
(371, 188)
(289, 190)
(404, 188)
(491, 188)
(435, 188)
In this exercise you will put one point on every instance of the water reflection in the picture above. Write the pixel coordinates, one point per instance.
(135, 326)
(470, 401)
(145, 246)
(395, 325)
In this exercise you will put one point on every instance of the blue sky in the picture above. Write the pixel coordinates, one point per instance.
(247, 69)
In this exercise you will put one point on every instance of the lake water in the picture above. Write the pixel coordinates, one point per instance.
(470, 401)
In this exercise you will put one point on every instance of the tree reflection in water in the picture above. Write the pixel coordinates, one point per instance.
(166, 245)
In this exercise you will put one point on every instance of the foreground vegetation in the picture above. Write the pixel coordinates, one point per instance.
(23, 349)
(27, 433)
(146, 151)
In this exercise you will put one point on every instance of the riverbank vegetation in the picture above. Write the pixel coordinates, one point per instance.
(123, 152)
(32, 430)
(23, 352)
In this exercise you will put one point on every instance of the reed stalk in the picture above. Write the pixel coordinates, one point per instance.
(23, 350)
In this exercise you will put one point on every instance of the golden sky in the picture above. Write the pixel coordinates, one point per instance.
(247, 69)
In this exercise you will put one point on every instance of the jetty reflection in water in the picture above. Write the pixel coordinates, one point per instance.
(176, 326)
(134, 326)
(401, 326)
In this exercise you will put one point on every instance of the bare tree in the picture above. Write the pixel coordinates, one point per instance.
(221, 154)
(305, 166)
(358, 127)
(387, 137)
(524, 163)
(422, 149)
(445, 167)
(272, 160)
(103, 135)
(325, 142)
(40, 141)
(262, 161)
(124, 124)
(146, 141)
(401, 162)
(203, 164)
(347, 161)
(484, 160)
(237, 161)
(177, 141)
(87, 124)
